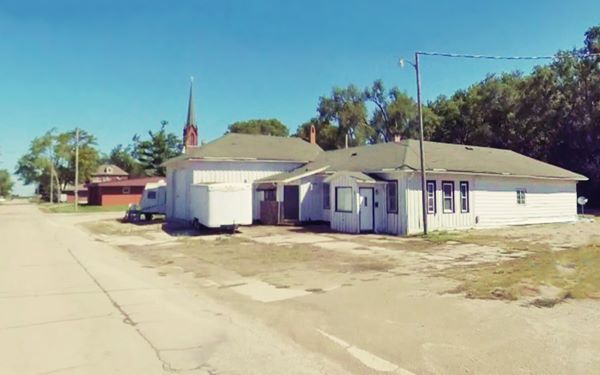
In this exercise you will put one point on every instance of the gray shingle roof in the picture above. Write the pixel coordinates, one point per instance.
(439, 157)
(254, 147)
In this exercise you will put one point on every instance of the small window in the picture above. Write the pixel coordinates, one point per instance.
(448, 196)
(464, 196)
(270, 195)
(431, 206)
(126, 190)
(521, 193)
(392, 197)
(326, 197)
(151, 195)
(343, 199)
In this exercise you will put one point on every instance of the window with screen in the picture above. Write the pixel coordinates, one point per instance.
(343, 199)
(431, 204)
(521, 195)
(464, 196)
(392, 197)
(448, 196)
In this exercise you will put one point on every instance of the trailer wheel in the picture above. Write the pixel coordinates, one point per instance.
(148, 217)
(196, 224)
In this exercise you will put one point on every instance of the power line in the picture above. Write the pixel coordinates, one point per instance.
(493, 57)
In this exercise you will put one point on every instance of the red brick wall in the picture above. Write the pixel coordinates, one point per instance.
(83, 197)
(113, 196)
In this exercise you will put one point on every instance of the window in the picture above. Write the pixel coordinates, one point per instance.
(326, 197)
(431, 206)
(151, 195)
(392, 197)
(464, 196)
(521, 196)
(270, 195)
(126, 190)
(343, 199)
(448, 196)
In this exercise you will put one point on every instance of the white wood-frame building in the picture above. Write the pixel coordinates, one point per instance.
(377, 188)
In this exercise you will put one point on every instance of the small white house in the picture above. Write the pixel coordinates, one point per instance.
(377, 188)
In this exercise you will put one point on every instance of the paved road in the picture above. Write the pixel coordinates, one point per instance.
(72, 305)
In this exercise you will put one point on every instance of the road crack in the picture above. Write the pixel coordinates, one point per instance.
(166, 365)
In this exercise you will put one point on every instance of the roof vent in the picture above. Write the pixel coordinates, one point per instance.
(469, 148)
(354, 154)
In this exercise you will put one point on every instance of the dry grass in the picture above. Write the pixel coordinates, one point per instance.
(251, 258)
(248, 258)
(574, 272)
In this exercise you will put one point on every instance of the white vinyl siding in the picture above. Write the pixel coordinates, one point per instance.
(344, 221)
(438, 219)
(546, 201)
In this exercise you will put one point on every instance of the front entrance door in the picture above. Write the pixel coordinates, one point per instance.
(291, 202)
(366, 210)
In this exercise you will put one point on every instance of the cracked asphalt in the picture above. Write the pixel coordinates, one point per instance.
(72, 305)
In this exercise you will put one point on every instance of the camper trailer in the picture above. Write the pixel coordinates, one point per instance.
(153, 201)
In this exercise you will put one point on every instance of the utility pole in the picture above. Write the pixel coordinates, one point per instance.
(76, 168)
(51, 182)
(421, 146)
(421, 139)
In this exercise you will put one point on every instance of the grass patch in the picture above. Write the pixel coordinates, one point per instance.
(248, 258)
(64, 208)
(438, 237)
(573, 271)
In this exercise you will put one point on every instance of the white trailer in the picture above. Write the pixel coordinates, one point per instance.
(221, 204)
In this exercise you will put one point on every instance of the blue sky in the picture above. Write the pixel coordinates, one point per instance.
(117, 68)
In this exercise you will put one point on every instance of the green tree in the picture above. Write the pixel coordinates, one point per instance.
(53, 154)
(6, 183)
(153, 152)
(395, 114)
(552, 114)
(260, 126)
(346, 110)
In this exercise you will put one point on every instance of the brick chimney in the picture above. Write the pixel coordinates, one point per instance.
(313, 135)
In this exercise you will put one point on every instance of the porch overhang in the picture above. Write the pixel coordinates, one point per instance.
(358, 176)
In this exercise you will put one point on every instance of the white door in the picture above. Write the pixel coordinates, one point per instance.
(366, 210)
(180, 194)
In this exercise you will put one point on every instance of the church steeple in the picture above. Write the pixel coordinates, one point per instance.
(190, 130)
